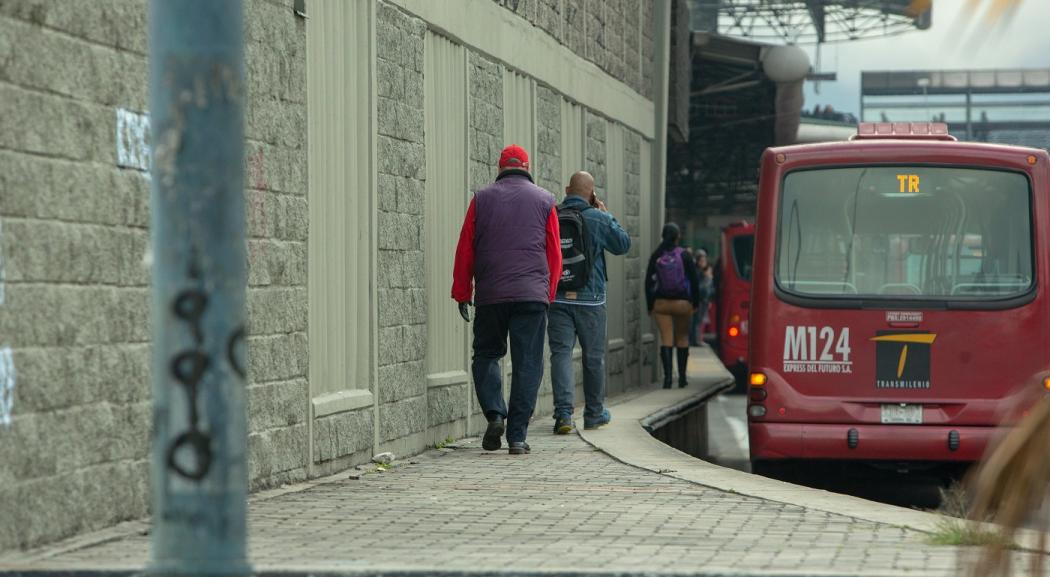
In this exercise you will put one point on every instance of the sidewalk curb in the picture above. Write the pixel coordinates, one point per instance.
(665, 416)
(628, 440)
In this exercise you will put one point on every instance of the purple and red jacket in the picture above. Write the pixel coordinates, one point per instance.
(509, 247)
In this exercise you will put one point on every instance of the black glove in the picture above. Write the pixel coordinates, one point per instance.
(464, 310)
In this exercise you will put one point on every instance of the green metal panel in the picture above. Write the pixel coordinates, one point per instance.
(447, 194)
(340, 133)
(572, 142)
(519, 112)
(614, 179)
(647, 219)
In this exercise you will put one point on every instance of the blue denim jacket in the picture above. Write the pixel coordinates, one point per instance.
(606, 235)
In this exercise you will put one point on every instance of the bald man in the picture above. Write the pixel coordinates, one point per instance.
(578, 312)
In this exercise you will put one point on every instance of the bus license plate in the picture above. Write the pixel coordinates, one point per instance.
(902, 414)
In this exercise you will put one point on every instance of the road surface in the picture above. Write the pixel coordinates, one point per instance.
(727, 429)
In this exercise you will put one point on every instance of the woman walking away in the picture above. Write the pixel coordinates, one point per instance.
(672, 293)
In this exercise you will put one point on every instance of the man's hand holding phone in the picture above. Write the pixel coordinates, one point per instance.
(597, 202)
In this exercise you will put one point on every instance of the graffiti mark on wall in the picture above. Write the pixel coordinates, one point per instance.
(133, 140)
(7, 386)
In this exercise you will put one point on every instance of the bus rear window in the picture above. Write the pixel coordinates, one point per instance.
(743, 251)
(911, 232)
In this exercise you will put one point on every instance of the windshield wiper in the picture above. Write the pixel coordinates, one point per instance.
(852, 229)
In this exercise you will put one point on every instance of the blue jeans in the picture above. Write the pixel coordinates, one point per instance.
(567, 323)
(526, 322)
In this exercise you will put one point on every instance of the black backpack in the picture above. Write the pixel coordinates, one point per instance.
(576, 259)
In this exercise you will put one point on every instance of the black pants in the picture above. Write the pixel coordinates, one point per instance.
(526, 323)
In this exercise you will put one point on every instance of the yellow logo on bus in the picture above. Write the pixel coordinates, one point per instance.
(891, 360)
(910, 182)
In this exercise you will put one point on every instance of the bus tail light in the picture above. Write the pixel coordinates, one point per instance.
(734, 329)
(758, 395)
(757, 411)
(758, 379)
(1046, 383)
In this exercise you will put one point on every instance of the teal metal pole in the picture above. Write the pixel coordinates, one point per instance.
(199, 464)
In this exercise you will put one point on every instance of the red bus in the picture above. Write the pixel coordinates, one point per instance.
(898, 309)
(733, 295)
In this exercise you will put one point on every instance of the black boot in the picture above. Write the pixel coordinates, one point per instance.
(683, 362)
(666, 356)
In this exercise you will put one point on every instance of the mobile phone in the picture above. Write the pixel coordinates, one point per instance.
(594, 199)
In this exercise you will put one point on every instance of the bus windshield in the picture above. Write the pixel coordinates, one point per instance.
(905, 232)
(743, 250)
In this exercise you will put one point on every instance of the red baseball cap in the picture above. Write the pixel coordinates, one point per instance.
(514, 156)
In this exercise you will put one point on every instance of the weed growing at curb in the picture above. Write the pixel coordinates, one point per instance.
(963, 533)
(442, 444)
(955, 501)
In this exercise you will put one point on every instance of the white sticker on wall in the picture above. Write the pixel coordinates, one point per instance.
(7, 385)
(133, 140)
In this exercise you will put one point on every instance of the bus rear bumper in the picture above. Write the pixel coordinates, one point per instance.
(777, 441)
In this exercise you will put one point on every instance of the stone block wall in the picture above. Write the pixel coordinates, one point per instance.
(485, 133)
(633, 264)
(594, 146)
(277, 225)
(648, 49)
(402, 176)
(547, 166)
(547, 172)
(616, 35)
(595, 155)
(74, 215)
(74, 333)
(485, 141)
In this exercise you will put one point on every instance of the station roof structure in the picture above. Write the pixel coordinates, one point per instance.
(731, 121)
(735, 109)
(812, 21)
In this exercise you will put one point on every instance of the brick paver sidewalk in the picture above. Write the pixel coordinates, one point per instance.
(566, 507)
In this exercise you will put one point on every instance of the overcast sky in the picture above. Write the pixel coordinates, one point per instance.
(952, 42)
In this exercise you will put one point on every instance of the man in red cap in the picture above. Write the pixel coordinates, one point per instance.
(509, 260)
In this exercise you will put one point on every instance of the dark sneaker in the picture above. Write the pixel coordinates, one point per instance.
(601, 421)
(518, 448)
(563, 425)
(491, 441)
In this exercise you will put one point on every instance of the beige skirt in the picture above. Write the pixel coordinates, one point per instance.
(673, 307)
